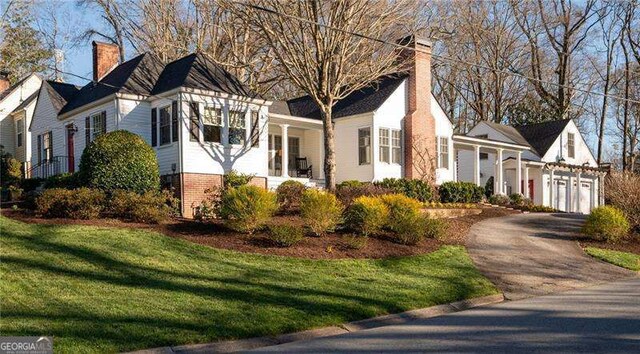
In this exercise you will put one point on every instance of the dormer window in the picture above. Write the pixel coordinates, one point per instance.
(571, 145)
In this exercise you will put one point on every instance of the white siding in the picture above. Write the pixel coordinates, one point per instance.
(8, 105)
(444, 128)
(135, 116)
(346, 140)
(559, 148)
(390, 115)
(168, 154)
(213, 158)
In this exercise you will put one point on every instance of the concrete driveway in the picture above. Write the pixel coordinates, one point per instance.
(601, 319)
(533, 254)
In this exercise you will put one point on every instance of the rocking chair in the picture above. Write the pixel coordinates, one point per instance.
(302, 169)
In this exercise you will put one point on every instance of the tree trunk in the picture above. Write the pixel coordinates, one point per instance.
(604, 112)
(625, 124)
(329, 147)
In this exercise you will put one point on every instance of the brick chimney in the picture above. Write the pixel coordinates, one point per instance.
(105, 57)
(419, 124)
(4, 81)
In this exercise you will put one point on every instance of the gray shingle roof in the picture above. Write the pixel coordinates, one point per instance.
(365, 100)
(60, 93)
(510, 132)
(542, 135)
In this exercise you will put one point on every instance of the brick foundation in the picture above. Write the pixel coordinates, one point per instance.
(190, 188)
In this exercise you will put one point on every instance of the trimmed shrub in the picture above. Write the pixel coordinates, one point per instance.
(355, 242)
(436, 228)
(488, 187)
(120, 160)
(81, 203)
(606, 223)
(290, 195)
(65, 180)
(367, 215)
(234, 179)
(350, 183)
(537, 208)
(400, 208)
(247, 208)
(412, 188)
(517, 199)
(321, 211)
(150, 207)
(499, 199)
(460, 192)
(410, 230)
(285, 235)
(349, 192)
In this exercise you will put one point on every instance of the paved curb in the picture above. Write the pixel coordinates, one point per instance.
(394, 319)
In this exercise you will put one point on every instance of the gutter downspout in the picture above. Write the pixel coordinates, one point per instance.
(180, 151)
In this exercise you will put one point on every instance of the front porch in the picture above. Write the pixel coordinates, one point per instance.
(296, 151)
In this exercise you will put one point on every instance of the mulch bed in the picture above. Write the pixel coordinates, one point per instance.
(331, 246)
(631, 244)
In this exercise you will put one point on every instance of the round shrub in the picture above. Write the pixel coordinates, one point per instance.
(499, 199)
(404, 215)
(350, 183)
(367, 215)
(355, 242)
(290, 195)
(606, 223)
(460, 192)
(436, 228)
(150, 207)
(410, 229)
(81, 203)
(321, 211)
(120, 160)
(412, 188)
(285, 235)
(247, 208)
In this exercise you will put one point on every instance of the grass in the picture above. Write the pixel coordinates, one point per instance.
(106, 290)
(619, 258)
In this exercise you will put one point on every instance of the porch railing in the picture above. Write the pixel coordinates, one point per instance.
(50, 167)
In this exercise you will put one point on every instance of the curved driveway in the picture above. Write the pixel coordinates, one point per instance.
(533, 254)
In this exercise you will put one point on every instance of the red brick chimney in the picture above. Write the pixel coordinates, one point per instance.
(419, 124)
(105, 57)
(4, 81)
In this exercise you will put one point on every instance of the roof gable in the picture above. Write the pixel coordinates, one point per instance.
(541, 136)
(199, 72)
(60, 93)
(365, 100)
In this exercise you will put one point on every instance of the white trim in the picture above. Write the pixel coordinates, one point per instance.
(471, 141)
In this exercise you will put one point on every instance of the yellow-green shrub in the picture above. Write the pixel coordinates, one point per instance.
(285, 235)
(321, 211)
(247, 208)
(405, 219)
(81, 203)
(367, 215)
(606, 223)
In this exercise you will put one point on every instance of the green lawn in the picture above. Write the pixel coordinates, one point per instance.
(622, 259)
(107, 290)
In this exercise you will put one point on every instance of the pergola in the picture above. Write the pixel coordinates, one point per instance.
(484, 145)
(578, 171)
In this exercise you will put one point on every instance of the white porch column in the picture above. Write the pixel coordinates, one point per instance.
(519, 183)
(600, 190)
(285, 149)
(476, 165)
(551, 204)
(576, 207)
(321, 162)
(500, 173)
(592, 195)
(525, 183)
(570, 196)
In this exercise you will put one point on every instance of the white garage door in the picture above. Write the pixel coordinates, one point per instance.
(561, 195)
(585, 198)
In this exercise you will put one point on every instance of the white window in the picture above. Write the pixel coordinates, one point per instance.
(571, 145)
(99, 124)
(237, 127)
(384, 145)
(19, 131)
(45, 147)
(364, 146)
(443, 152)
(165, 125)
(396, 146)
(212, 124)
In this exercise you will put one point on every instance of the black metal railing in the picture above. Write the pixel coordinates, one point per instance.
(50, 167)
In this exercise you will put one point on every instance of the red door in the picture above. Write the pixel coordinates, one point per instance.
(530, 188)
(71, 164)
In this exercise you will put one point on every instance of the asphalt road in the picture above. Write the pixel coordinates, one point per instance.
(533, 254)
(604, 318)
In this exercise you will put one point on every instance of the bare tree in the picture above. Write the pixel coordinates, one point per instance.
(112, 13)
(314, 44)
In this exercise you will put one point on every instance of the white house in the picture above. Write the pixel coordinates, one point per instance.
(551, 161)
(203, 123)
(17, 104)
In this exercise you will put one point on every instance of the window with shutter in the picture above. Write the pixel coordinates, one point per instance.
(174, 121)
(165, 125)
(154, 127)
(99, 122)
(87, 130)
(194, 121)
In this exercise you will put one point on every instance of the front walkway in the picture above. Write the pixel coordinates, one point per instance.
(532, 254)
(602, 319)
